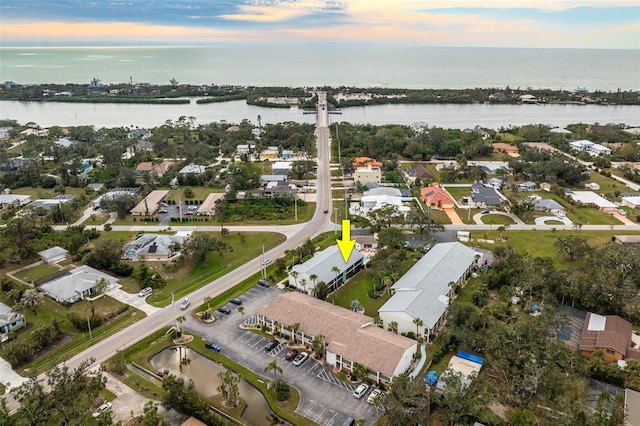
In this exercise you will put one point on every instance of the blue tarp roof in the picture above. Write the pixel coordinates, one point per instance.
(470, 357)
(431, 378)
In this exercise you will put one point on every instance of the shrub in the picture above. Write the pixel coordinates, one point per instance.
(372, 294)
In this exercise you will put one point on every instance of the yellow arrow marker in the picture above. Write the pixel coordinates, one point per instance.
(346, 244)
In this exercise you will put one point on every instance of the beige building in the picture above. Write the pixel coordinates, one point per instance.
(368, 174)
(150, 204)
(350, 337)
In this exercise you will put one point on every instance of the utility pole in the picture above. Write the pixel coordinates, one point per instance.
(263, 270)
(335, 209)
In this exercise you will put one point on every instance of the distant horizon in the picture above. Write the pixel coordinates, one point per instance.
(577, 24)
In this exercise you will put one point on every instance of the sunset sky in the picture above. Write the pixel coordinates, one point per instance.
(533, 23)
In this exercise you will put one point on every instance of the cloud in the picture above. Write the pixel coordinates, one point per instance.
(265, 14)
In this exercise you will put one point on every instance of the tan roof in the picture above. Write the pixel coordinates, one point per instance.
(151, 203)
(614, 334)
(349, 334)
(209, 204)
(192, 421)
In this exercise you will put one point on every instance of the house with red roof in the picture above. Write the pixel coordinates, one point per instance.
(365, 162)
(436, 196)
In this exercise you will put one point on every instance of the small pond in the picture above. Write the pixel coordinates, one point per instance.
(204, 374)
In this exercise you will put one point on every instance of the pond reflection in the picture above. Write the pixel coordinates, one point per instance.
(204, 374)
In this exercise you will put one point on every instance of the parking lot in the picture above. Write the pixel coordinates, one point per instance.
(323, 398)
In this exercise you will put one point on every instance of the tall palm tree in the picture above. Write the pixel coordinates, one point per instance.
(313, 278)
(336, 270)
(294, 274)
(273, 365)
(393, 326)
(179, 321)
(241, 310)
(304, 284)
(419, 323)
(294, 331)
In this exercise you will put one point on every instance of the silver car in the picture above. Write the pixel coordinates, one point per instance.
(185, 303)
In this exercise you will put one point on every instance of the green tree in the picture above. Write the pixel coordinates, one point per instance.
(392, 237)
(200, 246)
(574, 247)
(273, 366)
(151, 417)
(318, 344)
(408, 402)
(31, 298)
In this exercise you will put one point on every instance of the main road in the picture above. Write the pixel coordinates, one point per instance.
(320, 222)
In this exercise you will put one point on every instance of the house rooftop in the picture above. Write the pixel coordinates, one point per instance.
(608, 331)
(323, 261)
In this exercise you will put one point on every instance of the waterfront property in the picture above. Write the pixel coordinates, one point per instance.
(349, 337)
(325, 266)
(424, 291)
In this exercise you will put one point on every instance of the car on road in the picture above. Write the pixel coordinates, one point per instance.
(484, 212)
(271, 345)
(266, 262)
(145, 292)
(325, 211)
(101, 409)
(188, 213)
(291, 354)
(375, 393)
(361, 390)
(185, 303)
(264, 283)
(236, 301)
(209, 345)
(224, 310)
(561, 215)
(622, 212)
(300, 359)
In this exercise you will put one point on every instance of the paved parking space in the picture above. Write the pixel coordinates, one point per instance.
(323, 398)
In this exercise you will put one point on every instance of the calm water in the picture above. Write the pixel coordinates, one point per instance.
(204, 374)
(448, 116)
(403, 67)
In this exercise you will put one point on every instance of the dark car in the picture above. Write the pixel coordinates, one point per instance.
(264, 283)
(326, 211)
(291, 354)
(236, 301)
(210, 345)
(271, 345)
(224, 310)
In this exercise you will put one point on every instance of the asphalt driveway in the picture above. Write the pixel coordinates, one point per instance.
(323, 398)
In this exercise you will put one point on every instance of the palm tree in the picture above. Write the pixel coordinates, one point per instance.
(294, 274)
(419, 323)
(31, 298)
(179, 321)
(207, 300)
(273, 365)
(294, 331)
(379, 322)
(304, 284)
(313, 278)
(241, 310)
(393, 326)
(336, 270)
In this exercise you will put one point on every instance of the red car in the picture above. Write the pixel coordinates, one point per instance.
(291, 354)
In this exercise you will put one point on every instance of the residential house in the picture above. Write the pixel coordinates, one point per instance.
(497, 183)
(609, 334)
(96, 187)
(245, 149)
(155, 246)
(282, 168)
(192, 169)
(327, 266)
(115, 193)
(35, 132)
(365, 161)
(150, 204)
(233, 129)
(7, 199)
(366, 244)
(589, 198)
(9, 319)
(53, 255)
(279, 189)
(5, 131)
(65, 143)
(464, 363)
(350, 338)
(561, 131)
(505, 148)
(14, 164)
(437, 197)
(491, 167)
(368, 174)
(479, 130)
(545, 186)
(545, 205)
(527, 186)
(590, 147)
(208, 207)
(379, 197)
(633, 240)
(265, 179)
(147, 167)
(424, 291)
(483, 196)
(270, 153)
(528, 98)
(592, 186)
(51, 203)
(631, 200)
(421, 171)
(79, 284)
(143, 134)
(497, 97)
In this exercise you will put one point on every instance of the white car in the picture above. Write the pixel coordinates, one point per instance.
(375, 393)
(361, 390)
(300, 359)
(622, 212)
(145, 292)
(561, 215)
(185, 303)
(104, 407)
(266, 262)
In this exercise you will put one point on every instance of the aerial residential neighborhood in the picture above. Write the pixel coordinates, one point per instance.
(469, 274)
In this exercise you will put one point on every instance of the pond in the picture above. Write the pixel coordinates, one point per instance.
(204, 374)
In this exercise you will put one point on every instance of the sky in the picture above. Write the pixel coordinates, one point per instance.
(611, 24)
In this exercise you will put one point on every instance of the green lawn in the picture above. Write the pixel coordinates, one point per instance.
(32, 274)
(439, 216)
(607, 185)
(45, 192)
(76, 341)
(458, 192)
(246, 246)
(357, 288)
(497, 219)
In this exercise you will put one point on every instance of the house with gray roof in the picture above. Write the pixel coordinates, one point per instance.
(155, 246)
(9, 319)
(79, 284)
(17, 200)
(527, 186)
(192, 169)
(544, 205)
(53, 255)
(321, 265)
(484, 196)
(424, 291)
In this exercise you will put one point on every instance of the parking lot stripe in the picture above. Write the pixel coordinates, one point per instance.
(321, 412)
(333, 417)
(310, 408)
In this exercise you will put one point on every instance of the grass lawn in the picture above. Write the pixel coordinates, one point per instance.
(540, 243)
(357, 288)
(497, 219)
(45, 192)
(32, 274)
(439, 216)
(76, 341)
(199, 193)
(246, 246)
(458, 192)
(607, 185)
(467, 216)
